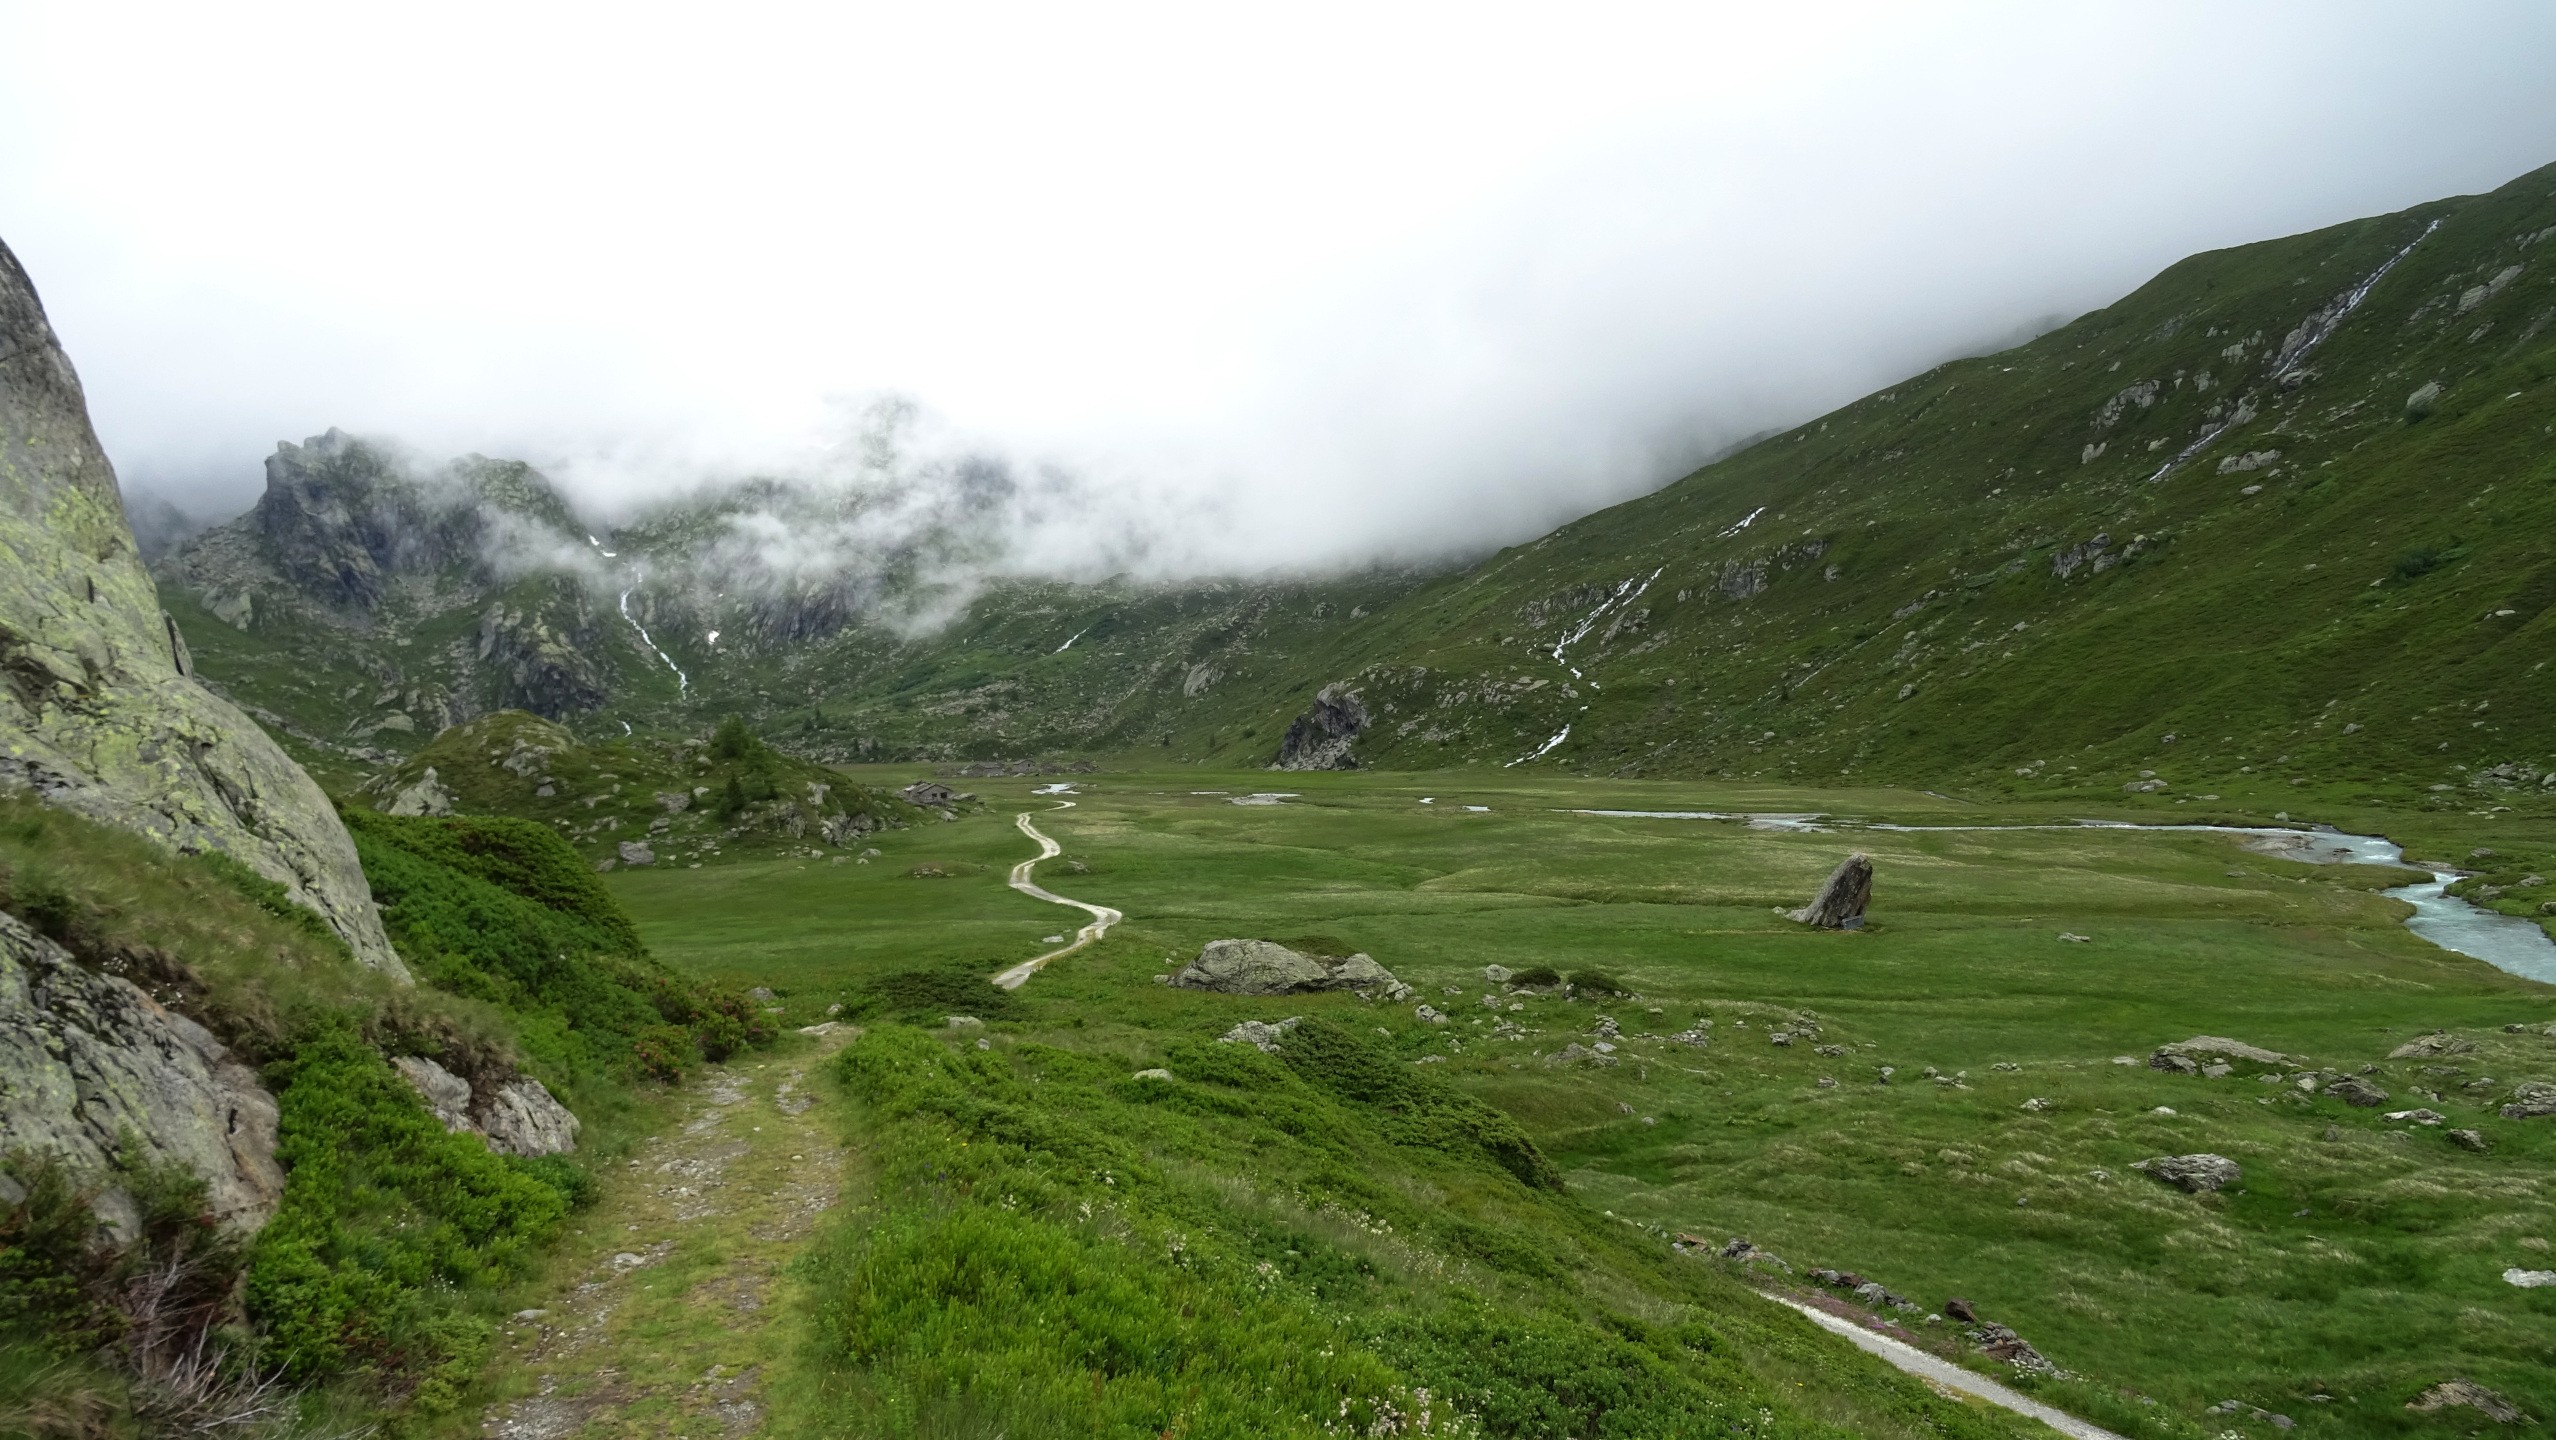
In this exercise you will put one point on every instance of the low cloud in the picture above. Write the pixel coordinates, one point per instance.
(1165, 296)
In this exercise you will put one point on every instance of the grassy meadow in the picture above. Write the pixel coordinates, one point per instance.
(2357, 1263)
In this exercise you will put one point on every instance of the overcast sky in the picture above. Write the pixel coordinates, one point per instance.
(1285, 284)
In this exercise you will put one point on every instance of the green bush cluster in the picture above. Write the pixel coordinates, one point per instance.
(384, 1214)
(1411, 1107)
(503, 911)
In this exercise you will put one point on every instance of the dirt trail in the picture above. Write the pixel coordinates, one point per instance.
(667, 1295)
(1102, 916)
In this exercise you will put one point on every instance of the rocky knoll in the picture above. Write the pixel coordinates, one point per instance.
(1320, 738)
(99, 711)
(1262, 967)
(88, 1059)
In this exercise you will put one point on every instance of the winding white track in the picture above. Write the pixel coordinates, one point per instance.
(1938, 1371)
(1102, 916)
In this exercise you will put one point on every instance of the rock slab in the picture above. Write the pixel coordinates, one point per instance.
(1842, 897)
(86, 1059)
(1264, 967)
(100, 711)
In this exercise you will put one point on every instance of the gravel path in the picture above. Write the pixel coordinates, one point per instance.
(1944, 1374)
(666, 1295)
(1102, 916)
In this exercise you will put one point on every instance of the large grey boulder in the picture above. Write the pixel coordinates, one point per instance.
(88, 1059)
(100, 712)
(2186, 1057)
(1842, 897)
(1264, 967)
(1251, 967)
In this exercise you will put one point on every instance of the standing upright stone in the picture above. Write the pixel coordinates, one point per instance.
(100, 712)
(1841, 900)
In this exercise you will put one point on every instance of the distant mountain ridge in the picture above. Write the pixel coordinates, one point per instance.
(2282, 513)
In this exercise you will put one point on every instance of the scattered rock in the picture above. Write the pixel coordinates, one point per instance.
(635, 853)
(2418, 1117)
(760, 994)
(1497, 974)
(1262, 1036)
(2038, 1104)
(1842, 897)
(1429, 1015)
(2073, 938)
(2470, 1140)
(2000, 1343)
(2452, 1393)
(2355, 1091)
(1576, 1053)
(1156, 1073)
(2193, 1174)
(963, 1022)
(2531, 1099)
(1961, 1310)
(2529, 1279)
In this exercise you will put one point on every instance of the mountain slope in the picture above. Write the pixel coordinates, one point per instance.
(1994, 565)
(2277, 516)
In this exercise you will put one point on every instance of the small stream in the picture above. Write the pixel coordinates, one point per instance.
(2506, 942)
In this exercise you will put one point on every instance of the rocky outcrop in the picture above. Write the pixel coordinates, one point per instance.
(99, 710)
(425, 797)
(88, 1060)
(1262, 967)
(2530, 1100)
(541, 657)
(516, 1117)
(1842, 896)
(1320, 738)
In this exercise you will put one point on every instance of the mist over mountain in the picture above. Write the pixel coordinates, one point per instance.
(1216, 297)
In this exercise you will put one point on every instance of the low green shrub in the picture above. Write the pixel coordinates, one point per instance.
(1598, 982)
(503, 911)
(385, 1218)
(1536, 975)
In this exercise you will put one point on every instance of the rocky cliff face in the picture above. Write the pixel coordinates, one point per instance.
(88, 1059)
(99, 712)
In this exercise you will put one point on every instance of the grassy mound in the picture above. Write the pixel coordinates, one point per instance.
(1316, 1242)
(688, 800)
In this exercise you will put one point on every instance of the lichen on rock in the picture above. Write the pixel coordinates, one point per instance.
(99, 711)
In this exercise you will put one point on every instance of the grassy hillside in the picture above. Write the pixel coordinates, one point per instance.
(1989, 571)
